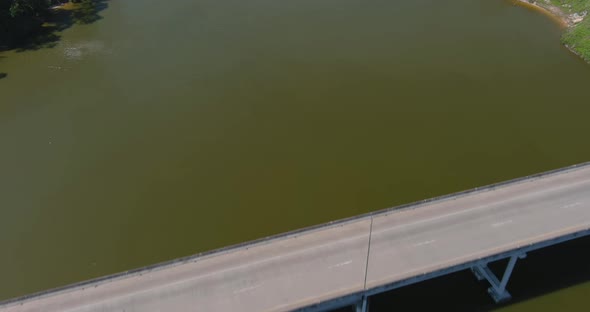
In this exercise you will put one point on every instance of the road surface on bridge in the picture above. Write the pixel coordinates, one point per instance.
(334, 260)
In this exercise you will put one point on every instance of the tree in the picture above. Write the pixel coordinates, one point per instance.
(20, 18)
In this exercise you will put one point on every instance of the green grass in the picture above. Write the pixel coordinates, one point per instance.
(572, 6)
(577, 37)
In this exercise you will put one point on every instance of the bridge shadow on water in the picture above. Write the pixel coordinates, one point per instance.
(543, 272)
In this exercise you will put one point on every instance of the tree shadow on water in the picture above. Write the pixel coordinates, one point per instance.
(2, 75)
(57, 20)
(88, 11)
(44, 38)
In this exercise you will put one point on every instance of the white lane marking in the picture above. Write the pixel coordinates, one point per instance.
(340, 264)
(425, 243)
(498, 224)
(271, 259)
(249, 288)
(476, 208)
(570, 205)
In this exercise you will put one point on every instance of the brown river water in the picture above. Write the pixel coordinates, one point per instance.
(167, 128)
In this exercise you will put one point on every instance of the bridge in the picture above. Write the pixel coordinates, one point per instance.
(345, 262)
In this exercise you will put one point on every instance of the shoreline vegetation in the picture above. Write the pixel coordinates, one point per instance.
(573, 16)
(34, 24)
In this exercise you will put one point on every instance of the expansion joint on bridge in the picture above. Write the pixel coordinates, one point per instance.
(497, 290)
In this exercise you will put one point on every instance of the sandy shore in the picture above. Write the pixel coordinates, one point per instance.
(64, 6)
(553, 12)
(556, 14)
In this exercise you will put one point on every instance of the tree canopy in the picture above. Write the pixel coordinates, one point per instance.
(19, 19)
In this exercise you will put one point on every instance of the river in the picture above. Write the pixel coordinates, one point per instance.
(168, 128)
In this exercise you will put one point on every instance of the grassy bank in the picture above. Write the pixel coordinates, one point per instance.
(577, 38)
(576, 14)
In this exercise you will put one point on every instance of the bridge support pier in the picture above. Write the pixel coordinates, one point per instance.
(497, 290)
(362, 305)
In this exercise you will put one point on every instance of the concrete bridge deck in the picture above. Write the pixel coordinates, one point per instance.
(345, 261)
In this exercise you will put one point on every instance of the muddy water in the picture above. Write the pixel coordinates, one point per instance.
(172, 127)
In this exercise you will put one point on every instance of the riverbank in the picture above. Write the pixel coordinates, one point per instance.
(40, 26)
(65, 6)
(573, 16)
